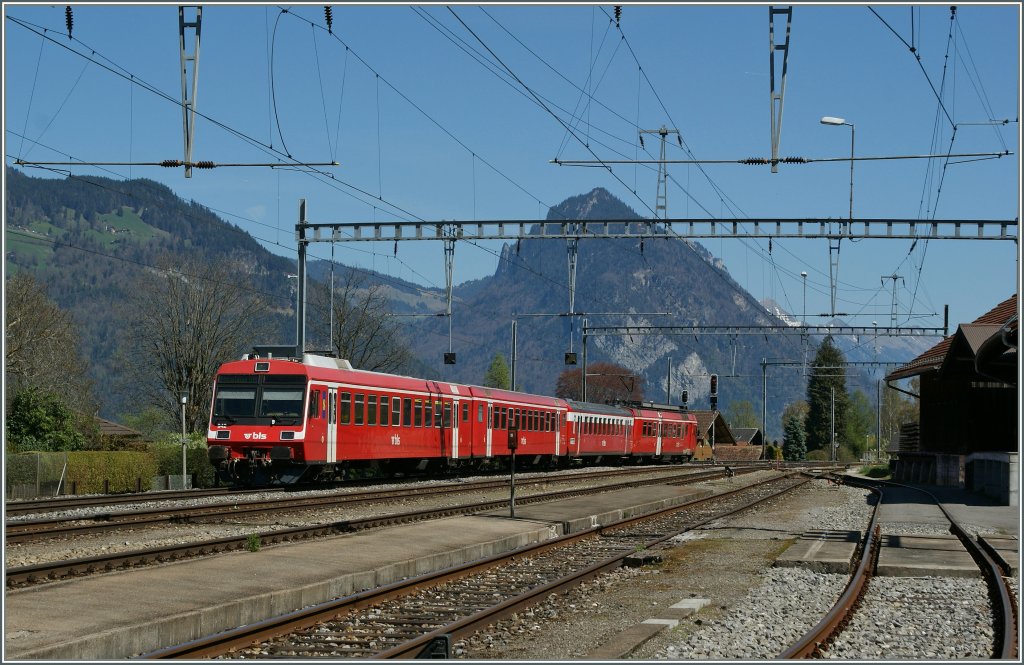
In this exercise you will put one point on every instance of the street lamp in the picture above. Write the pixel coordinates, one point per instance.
(804, 275)
(829, 120)
(184, 441)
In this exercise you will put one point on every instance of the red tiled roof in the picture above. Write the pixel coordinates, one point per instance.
(740, 453)
(932, 358)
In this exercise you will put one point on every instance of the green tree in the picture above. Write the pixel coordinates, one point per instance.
(860, 423)
(794, 443)
(498, 373)
(797, 409)
(826, 383)
(741, 414)
(897, 410)
(41, 421)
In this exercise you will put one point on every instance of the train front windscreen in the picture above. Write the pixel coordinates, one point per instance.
(259, 399)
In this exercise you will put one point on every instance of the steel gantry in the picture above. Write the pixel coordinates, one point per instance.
(189, 84)
(803, 330)
(574, 230)
(777, 96)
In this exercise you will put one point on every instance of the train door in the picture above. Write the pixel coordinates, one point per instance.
(487, 424)
(660, 431)
(455, 427)
(332, 425)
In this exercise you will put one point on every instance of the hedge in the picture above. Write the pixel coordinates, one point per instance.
(89, 469)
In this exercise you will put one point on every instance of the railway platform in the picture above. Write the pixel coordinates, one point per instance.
(912, 544)
(122, 614)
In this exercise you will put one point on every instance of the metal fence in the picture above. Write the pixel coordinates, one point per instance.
(30, 475)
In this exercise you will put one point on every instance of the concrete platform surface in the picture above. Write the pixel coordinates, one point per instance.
(924, 556)
(822, 552)
(1007, 550)
(125, 613)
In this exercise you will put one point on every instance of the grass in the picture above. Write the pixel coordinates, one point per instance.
(252, 543)
(875, 471)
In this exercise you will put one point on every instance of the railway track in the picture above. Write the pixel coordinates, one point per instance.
(423, 614)
(63, 527)
(31, 574)
(839, 623)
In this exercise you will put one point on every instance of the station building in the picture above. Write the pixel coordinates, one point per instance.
(968, 430)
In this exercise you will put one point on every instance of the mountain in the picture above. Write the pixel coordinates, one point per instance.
(656, 282)
(89, 239)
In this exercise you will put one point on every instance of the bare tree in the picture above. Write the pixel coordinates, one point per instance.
(606, 382)
(361, 329)
(41, 346)
(188, 320)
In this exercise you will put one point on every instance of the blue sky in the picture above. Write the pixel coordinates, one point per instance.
(423, 130)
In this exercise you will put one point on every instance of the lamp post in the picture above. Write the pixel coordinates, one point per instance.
(829, 120)
(184, 441)
(804, 275)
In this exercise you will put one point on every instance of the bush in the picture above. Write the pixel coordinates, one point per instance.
(168, 458)
(89, 469)
(875, 471)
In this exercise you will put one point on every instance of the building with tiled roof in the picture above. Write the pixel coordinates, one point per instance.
(712, 431)
(967, 432)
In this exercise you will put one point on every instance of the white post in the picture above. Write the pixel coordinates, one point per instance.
(184, 440)
(832, 439)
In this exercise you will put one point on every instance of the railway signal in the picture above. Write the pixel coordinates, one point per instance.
(714, 391)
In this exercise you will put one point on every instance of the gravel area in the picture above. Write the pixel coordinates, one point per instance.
(931, 618)
(722, 563)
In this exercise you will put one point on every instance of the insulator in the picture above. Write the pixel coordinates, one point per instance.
(794, 160)
(328, 17)
(769, 245)
(204, 165)
(69, 19)
(167, 163)
(679, 140)
(618, 14)
(754, 160)
(641, 140)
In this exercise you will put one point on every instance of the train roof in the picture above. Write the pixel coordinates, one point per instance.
(601, 409)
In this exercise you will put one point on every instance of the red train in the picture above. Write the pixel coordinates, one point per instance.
(284, 421)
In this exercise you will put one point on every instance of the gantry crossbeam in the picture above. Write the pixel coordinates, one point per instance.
(521, 229)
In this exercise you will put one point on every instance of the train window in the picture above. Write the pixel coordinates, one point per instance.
(385, 409)
(346, 408)
(407, 412)
(332, 410)
(281, 402)
(235, 401)
(479, 413)
(447, 415)
(396, 412)
(437, 414)
(465, 412)
(371, 409)
(314, 404)
(360, 398)
(417, 414)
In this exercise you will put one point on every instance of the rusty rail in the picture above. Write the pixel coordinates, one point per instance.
(826, 630)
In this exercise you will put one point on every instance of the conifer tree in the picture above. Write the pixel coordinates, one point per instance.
(828, 379)
(498, 374)
(794, 443)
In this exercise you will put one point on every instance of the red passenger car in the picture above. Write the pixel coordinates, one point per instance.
(284, 420)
